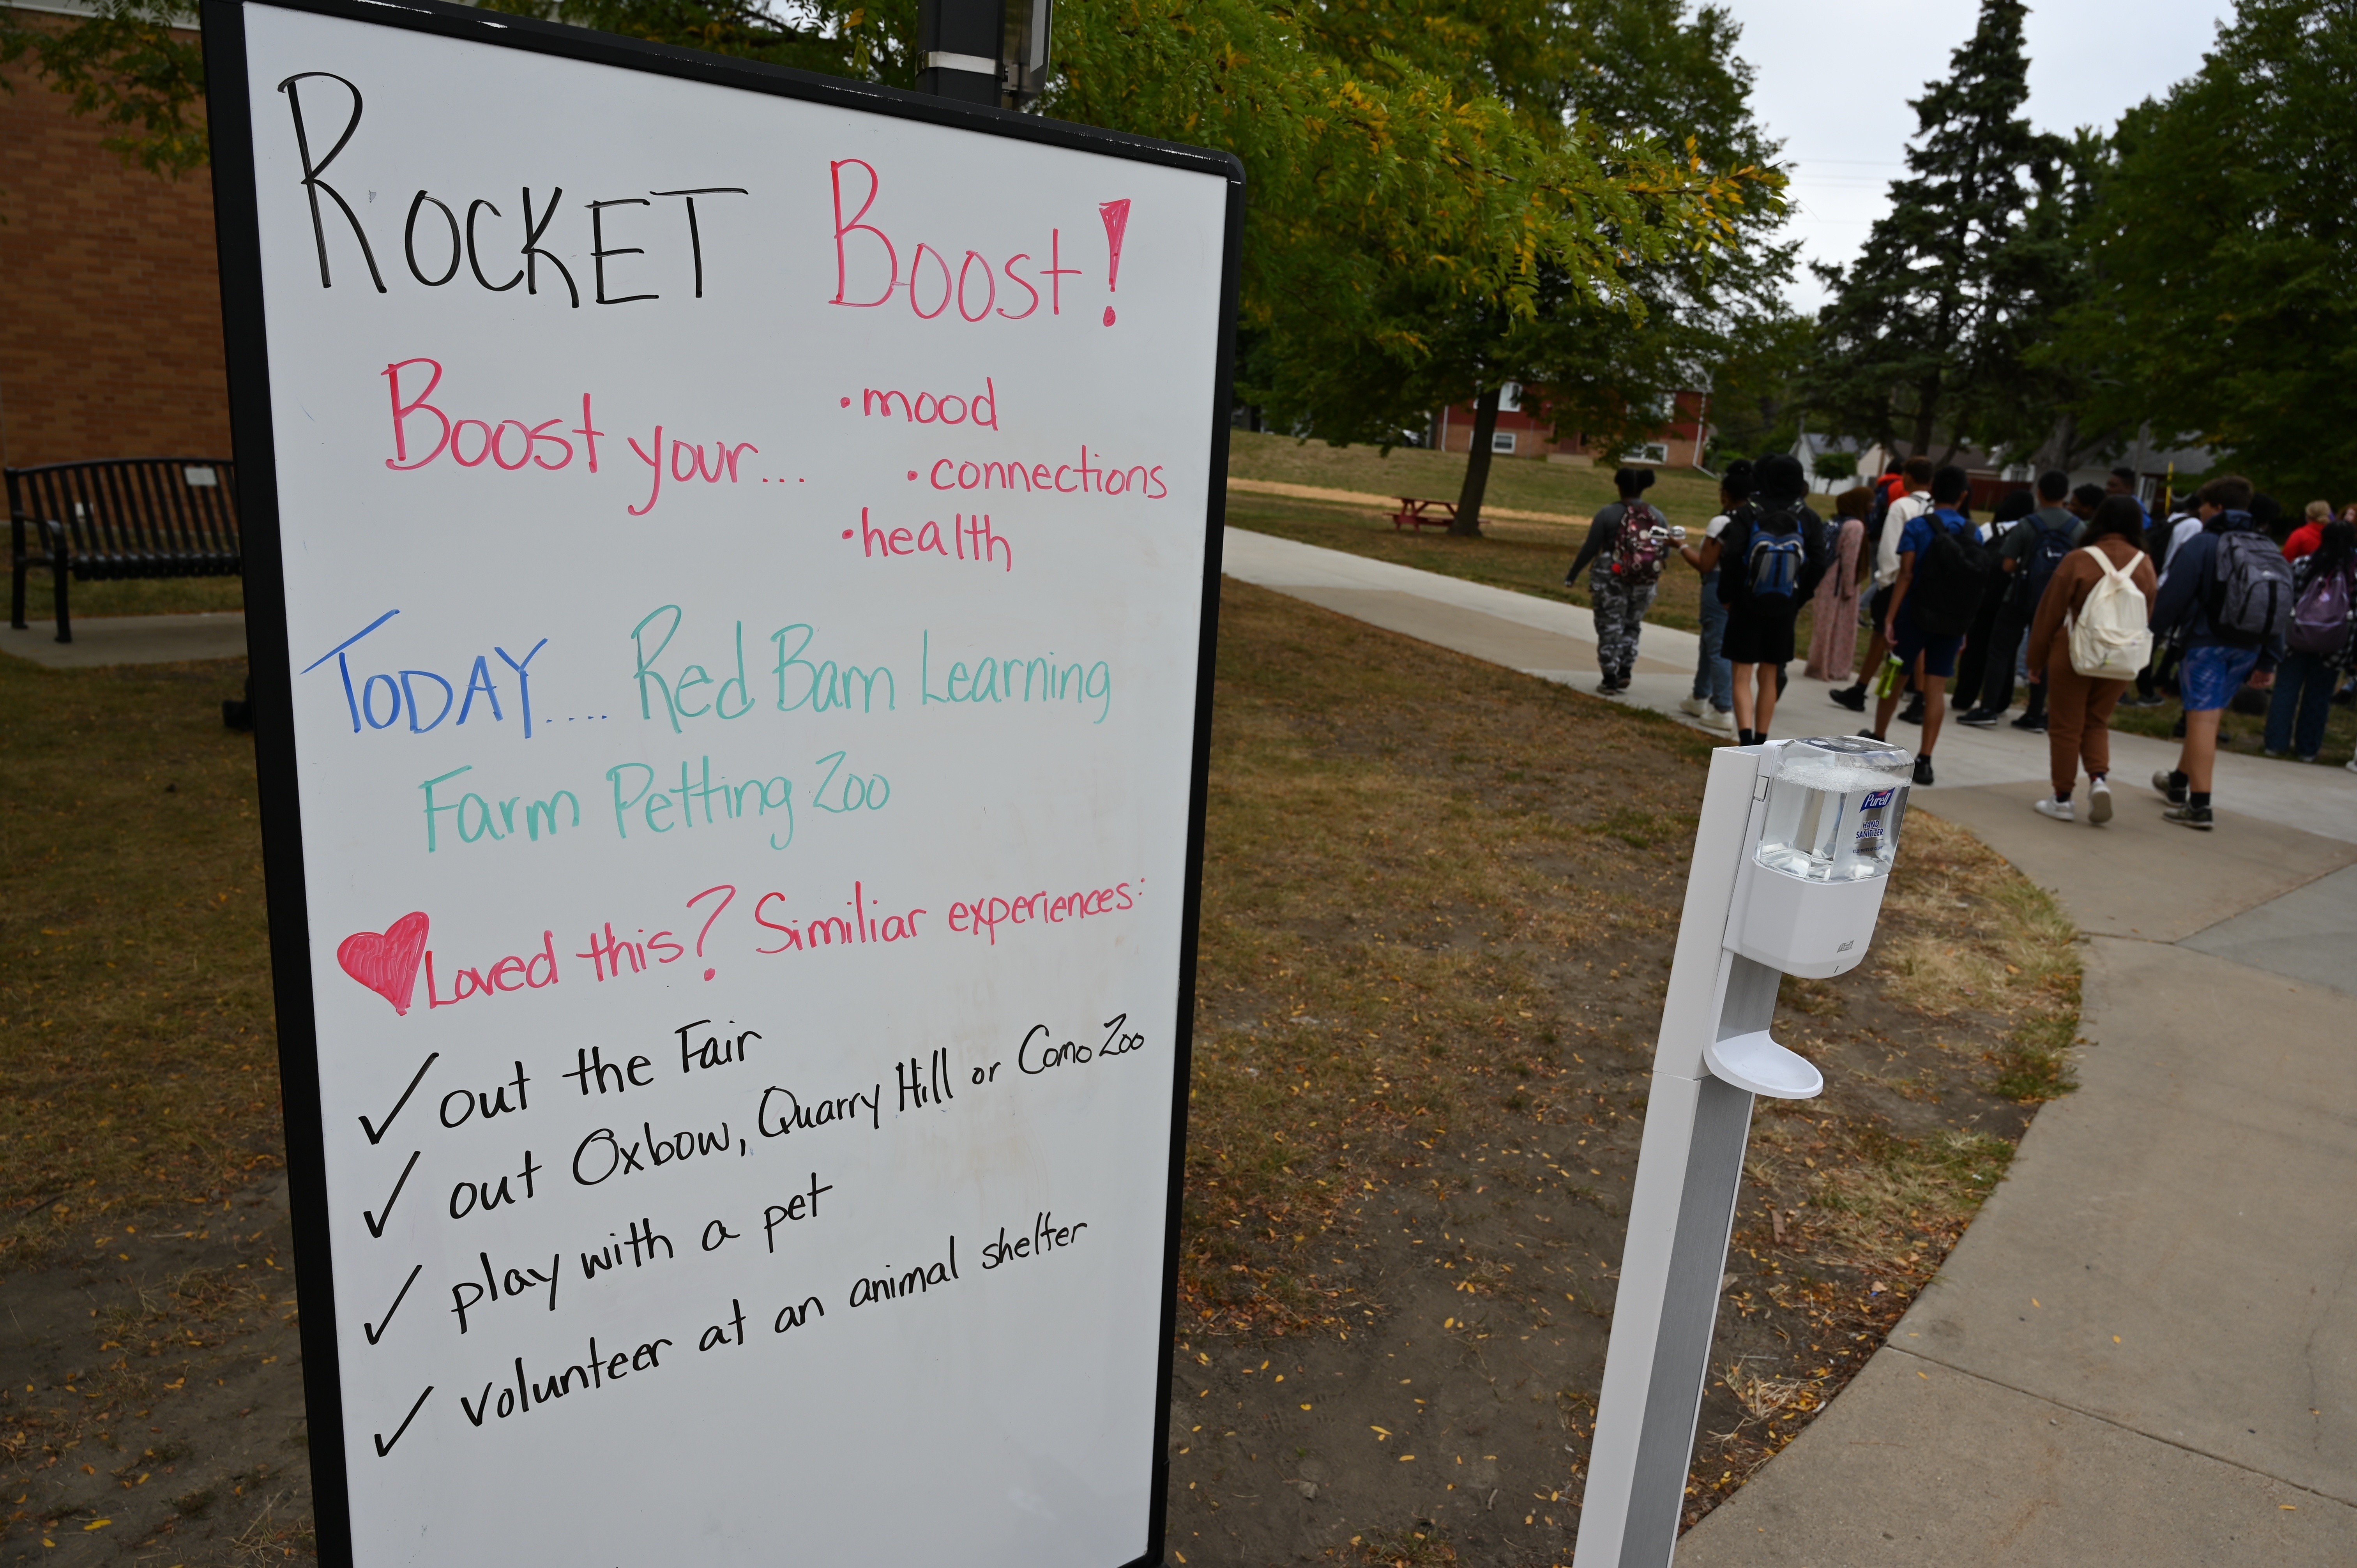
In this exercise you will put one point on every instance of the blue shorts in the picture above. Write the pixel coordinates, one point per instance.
(2211, 676)
(1939, 652)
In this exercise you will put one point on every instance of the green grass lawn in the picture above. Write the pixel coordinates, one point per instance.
(1524, 483)
(2243, 732)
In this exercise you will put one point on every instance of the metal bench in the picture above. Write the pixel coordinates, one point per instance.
(119, 518)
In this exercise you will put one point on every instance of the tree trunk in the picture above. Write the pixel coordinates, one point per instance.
(1477, 466)
(1927, 404)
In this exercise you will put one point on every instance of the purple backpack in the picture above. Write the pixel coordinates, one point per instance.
(2319, 620)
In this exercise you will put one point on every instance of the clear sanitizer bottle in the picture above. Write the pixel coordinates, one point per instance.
(1825, 821)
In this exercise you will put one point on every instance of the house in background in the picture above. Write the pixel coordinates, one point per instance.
(1993, 475)
(1526, 429)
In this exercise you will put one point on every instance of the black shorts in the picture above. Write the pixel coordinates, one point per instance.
(1760, 631)
(1877, 608)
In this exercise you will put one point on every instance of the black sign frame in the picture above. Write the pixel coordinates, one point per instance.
(237, 218)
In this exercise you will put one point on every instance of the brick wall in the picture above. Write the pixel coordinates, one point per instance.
(110, 296)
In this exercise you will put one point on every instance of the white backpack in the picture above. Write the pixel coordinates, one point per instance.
(2110, 638)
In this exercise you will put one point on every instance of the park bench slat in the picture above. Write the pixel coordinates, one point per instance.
(119, 519)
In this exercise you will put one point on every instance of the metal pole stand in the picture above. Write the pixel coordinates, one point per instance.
(1713, 1058)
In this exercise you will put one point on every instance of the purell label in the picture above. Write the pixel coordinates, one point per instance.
(1877, 800)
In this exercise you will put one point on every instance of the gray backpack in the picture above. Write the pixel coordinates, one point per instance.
(2255, 595)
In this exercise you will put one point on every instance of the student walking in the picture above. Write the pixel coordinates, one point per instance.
(1713, 698)
(1833, 638)
(2310, 532)
(1905, 510)
(1628, 542)
(2026, 557)
(2226, 591)
(2317, 646)
(1972, 664)
(1769, 556)
(1941, 563)
(2090, 637)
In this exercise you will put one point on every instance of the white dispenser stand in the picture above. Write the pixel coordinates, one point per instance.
(1790, 858)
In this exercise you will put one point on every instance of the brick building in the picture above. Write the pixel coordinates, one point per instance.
(1525, 429)
(111, 335)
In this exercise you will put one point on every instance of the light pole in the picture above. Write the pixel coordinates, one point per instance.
(984, 52)
(1790, 858)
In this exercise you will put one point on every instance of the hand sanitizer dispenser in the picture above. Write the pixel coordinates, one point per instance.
(1824, 824)
(1791, 854)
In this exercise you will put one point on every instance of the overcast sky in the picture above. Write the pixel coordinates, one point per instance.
(1833, 77)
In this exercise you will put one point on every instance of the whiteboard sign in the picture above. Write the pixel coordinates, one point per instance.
(731, 582)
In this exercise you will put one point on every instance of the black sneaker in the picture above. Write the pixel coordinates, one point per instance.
(1923, 773)
(1912, 713)
(2188, 816)
(2034, 722)
(2164, 785)
(1850, 697)
(1979, 718)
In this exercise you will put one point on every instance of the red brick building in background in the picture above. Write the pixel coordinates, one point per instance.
(110, 295)
(1525, 429)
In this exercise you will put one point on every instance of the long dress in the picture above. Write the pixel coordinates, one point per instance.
(1833, 646)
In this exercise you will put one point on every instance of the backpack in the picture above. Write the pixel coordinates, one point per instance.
(1641, 546)
(2036, 568)
(2253, 595)
(1776, 557)
(2111, 637)
(2319, 622)
(1949, 576)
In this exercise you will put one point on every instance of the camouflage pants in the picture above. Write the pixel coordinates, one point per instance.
(1620, 608)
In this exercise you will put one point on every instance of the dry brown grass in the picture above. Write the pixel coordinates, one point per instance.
(135, 995)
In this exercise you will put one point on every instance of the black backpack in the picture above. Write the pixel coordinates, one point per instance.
(2036, 568)
(1949, 576)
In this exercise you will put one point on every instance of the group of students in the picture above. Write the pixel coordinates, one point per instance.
(1761, 558)
(2075, 591)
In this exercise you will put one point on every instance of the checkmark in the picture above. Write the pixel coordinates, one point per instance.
(376, 1226)
(382, 1447)
(375, 1331)
(375, 1133)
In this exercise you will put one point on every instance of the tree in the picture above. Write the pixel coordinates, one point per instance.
(2221, 299)
(1755, 395)
(1930, 329)
(1420, 174)
(1633, 81)
(127, 65)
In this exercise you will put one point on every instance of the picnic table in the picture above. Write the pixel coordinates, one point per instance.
(119, 518)
(1414, 513)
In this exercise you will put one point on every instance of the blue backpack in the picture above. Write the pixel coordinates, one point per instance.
(1772, 566)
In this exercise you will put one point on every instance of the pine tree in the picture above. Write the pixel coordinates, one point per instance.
(1928, 329)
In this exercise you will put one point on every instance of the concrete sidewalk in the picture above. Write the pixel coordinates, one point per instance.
(2146, 1348)
(129, 639)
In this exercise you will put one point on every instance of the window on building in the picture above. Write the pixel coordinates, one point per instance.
(1510, 399)
(1651, 452)
(1502, 441)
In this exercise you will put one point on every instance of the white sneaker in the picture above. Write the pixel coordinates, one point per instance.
(1692, 707)
(1719, 719)
(2060, 810)
(2099, 802)
(2350, 764)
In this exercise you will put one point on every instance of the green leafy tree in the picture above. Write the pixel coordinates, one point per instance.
(1755, 395)
(1929, 331)
(1640, 86)
(134, 64)
(2221, 299)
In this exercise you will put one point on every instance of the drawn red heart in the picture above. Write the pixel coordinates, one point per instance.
(386, 962)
